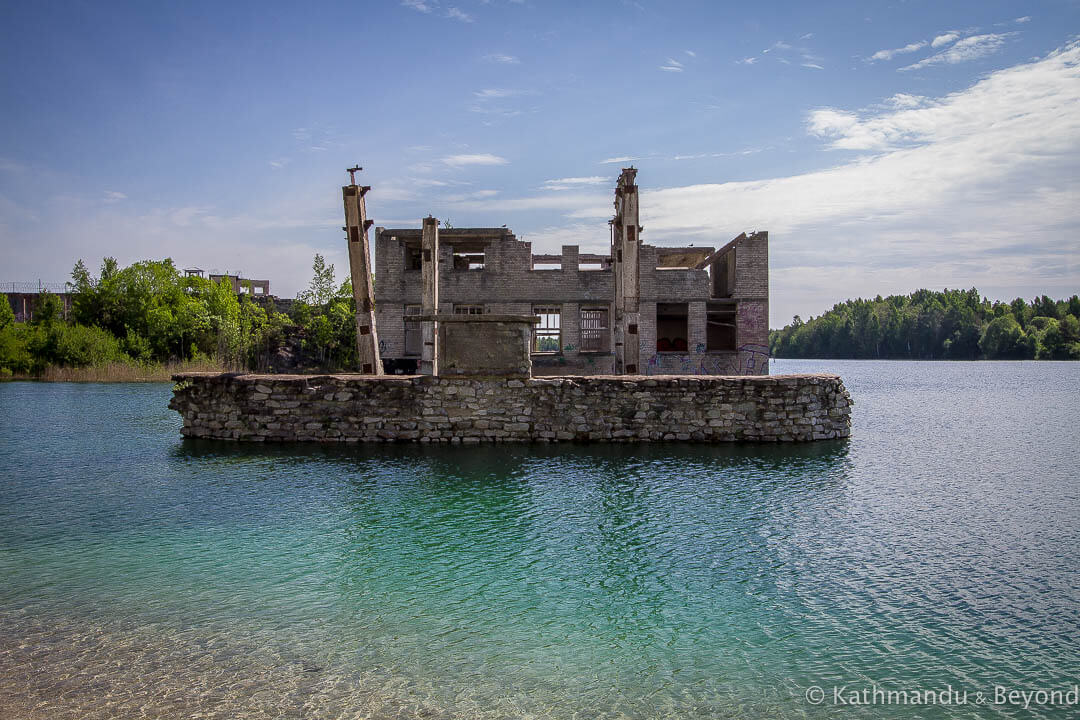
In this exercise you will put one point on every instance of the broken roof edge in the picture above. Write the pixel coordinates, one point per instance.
(450, 232)
(720, 251)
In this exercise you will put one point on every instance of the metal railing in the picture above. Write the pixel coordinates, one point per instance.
(33, 286)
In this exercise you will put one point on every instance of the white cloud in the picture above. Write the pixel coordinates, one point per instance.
(974, 188)
(1021, 20)
(501, 58)
(970, 48)
(890, 54)
(807, 36)
(573, 183)
(456, 14)
(691, 53)
(945, 39)
(112, 196)
(672, 65)
(746, 61)
(619, 159)
(905, 101)
(812, 65)
(474, 159)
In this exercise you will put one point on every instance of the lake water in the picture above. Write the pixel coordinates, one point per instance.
(145, 575)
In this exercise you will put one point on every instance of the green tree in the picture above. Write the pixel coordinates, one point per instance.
(7, 315)
(1002, 339)
(321, 288)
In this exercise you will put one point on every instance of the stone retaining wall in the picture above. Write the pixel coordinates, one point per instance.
(356, 408)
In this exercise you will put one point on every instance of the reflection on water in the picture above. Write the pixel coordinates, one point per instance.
(144, 574)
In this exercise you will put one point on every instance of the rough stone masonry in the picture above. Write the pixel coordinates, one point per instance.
(355, 408)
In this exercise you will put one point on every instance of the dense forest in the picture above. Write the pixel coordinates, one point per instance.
(150, 314)
(930, 325)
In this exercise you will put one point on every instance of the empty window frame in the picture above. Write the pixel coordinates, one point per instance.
(468, 259)
(547, 334)
(595, 332)
(720, 329)
(413, 257)
(413, 338)
(468, 309)
(672, 327)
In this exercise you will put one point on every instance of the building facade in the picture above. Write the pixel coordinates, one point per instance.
(678, 310)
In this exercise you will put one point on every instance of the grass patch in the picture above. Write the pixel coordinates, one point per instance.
(121, 372)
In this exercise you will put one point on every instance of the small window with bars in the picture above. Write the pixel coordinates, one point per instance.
(547, 334)
(468, 309)
(595, 333)
(413, 338)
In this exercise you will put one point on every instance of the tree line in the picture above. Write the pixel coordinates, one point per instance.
(932, 325)
(150, 313)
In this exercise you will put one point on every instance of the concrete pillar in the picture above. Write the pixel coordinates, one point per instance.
(429, 303)
(356, 227)
(625, 252)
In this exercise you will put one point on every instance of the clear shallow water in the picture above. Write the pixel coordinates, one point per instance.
(141, 574)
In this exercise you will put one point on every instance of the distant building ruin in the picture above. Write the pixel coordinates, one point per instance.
(240, 285)
(639, 309)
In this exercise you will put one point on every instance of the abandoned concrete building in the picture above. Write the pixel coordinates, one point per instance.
(637, 310)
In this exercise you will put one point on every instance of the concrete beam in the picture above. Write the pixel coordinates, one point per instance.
(429, 304)
(356, 227)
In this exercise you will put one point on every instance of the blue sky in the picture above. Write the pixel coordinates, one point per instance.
(885, 146)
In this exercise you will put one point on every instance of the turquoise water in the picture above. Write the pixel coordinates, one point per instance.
(142, 574)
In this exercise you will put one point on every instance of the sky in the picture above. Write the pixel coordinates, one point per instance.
(886, 147)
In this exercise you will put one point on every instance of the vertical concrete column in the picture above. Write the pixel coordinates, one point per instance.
(626, 246)
(356, 227)
(429, 303)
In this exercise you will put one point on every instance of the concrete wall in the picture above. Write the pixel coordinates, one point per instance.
(508, 285)
(485, 345)
(354, 408)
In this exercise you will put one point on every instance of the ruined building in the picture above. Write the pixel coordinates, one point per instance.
(639, 309)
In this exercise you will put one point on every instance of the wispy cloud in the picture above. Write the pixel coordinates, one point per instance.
(672, 65)
(417, 5)
(574, 183)
(784, 53)
(746, 61)
(456, 14)
(969, 48)
(112, 196)
(1022, 20)
(778, 45)
(619, 159)
(474, 159)
(501, 58)
(691, 53)
(945, 38)
(890, 54)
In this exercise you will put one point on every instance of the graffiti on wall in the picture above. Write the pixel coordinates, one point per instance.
(755, 359)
